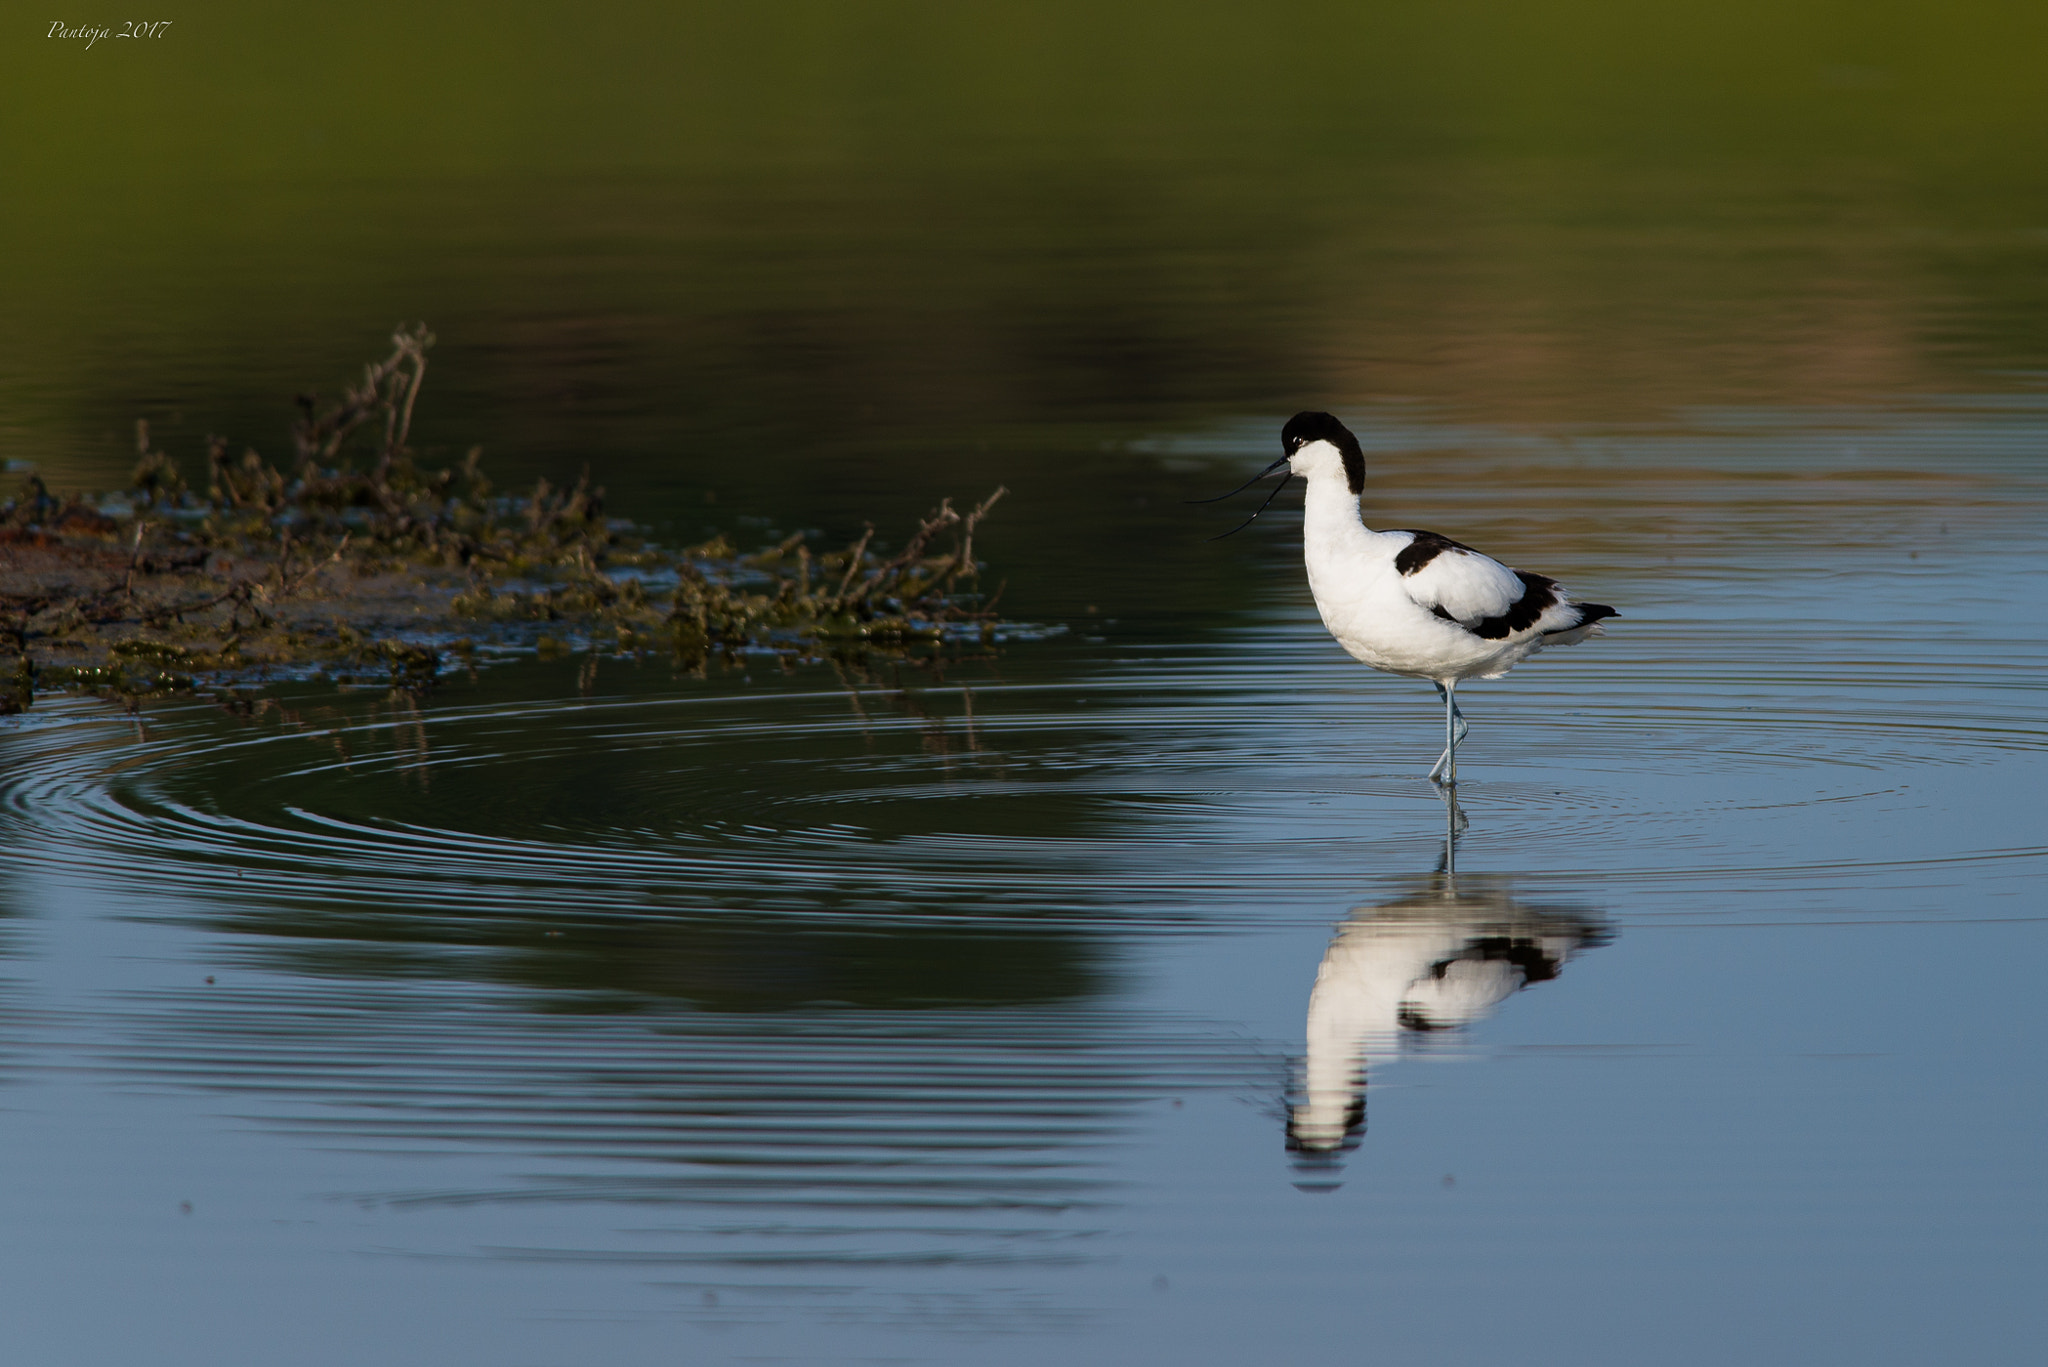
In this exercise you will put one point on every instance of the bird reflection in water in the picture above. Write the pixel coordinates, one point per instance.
(1438, 957)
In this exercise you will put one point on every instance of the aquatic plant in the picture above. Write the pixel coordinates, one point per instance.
(359, 560)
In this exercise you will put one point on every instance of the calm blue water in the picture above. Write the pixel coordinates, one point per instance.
(617, 1017)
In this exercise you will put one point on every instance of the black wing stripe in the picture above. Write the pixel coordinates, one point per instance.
(1426, 547)
(1539, 595)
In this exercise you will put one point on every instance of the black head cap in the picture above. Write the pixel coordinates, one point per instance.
(1304, 428)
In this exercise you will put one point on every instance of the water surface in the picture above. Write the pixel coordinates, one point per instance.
(826, 1013)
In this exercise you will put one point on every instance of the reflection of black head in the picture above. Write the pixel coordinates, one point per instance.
(1354, 1131)
(1319, 1163)
(1304, 428)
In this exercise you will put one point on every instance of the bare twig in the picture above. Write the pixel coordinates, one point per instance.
(853, 560)
(134, 562)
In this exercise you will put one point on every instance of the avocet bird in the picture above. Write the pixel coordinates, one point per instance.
(1411, 602)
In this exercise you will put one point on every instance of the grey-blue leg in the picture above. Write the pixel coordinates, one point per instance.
(1455, 823)
(1455, 728)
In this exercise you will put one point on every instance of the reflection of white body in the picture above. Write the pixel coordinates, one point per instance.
(1437, 959)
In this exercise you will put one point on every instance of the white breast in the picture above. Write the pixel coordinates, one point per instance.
(1368, 607)
(1390, 620)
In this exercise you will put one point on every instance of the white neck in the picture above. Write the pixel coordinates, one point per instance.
(1330, 511)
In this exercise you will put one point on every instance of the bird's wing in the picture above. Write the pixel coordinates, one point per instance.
(1457, 582)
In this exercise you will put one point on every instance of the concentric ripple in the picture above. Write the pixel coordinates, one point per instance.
(1148, 785)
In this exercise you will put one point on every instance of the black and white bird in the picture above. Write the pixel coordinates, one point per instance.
(1410, 602)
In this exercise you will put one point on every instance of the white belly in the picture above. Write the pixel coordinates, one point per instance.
(1378, 624)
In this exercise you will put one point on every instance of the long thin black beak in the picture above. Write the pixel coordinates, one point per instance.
(1247, 484)
(1262, 507)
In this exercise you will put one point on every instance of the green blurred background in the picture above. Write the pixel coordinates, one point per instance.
(822, 262)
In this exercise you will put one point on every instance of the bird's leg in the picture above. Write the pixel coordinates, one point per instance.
(1455, 728)
(1445, 758)
(1455, 823)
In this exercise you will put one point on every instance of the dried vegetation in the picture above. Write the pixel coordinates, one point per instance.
(361, 562)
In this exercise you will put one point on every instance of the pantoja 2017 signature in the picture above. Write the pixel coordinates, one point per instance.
(130, 28)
